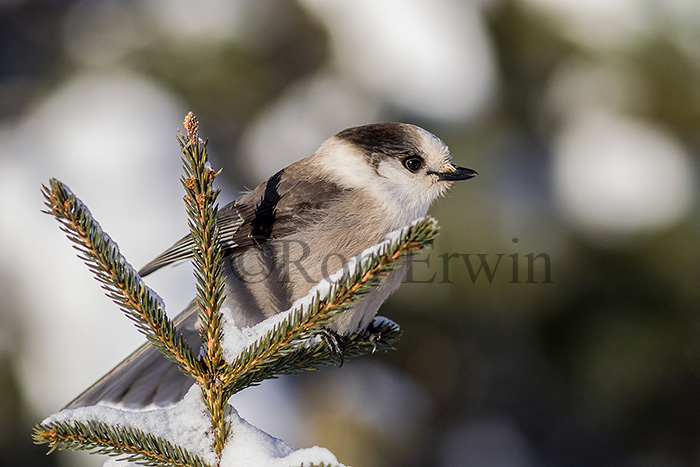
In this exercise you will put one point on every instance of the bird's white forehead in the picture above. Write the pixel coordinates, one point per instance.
(431, 135)
(432, 145)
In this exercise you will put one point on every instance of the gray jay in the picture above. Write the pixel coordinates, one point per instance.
(293, 230)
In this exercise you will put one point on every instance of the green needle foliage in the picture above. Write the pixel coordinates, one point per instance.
(129, 444)
(289, 347)
(200, 201)
(118, 278)
(202, 209)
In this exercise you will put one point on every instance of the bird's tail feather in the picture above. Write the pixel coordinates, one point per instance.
(145, 377)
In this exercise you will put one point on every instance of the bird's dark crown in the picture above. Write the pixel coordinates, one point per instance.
(391, 139)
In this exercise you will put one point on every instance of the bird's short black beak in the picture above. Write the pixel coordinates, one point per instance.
(460, 173)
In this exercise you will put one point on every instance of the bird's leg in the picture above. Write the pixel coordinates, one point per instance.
(335, 343)
(374, 335)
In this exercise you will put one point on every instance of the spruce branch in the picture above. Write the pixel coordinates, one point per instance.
(288, 347)
(130, 444)
(273, 353)
(314, 354)
(200, 201)
(118, 278)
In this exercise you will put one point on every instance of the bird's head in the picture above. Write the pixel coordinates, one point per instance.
(399, 164)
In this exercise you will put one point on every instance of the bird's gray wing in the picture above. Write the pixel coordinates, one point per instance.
(228, 220)
(280, 206)
(145, 377)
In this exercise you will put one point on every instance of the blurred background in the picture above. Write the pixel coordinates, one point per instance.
(578, 345)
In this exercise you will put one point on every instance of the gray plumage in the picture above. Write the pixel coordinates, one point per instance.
(293, 230)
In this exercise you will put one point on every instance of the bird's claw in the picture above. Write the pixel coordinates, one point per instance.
(374, 336)
(335, 344)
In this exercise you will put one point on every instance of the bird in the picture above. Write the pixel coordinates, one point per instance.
(290, 232)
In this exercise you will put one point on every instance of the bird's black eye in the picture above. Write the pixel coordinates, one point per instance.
(413, 163)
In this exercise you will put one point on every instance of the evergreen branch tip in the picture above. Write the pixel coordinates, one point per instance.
(191, 124)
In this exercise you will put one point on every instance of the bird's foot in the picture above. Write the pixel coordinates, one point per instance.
(335, 343)
(374, 335)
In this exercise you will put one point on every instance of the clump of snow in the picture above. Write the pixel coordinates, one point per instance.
(187, 425)
(249, 446)
(383, 321)
(236, 340)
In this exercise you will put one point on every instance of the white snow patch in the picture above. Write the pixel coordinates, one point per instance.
(187, 425)
(250, 446)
